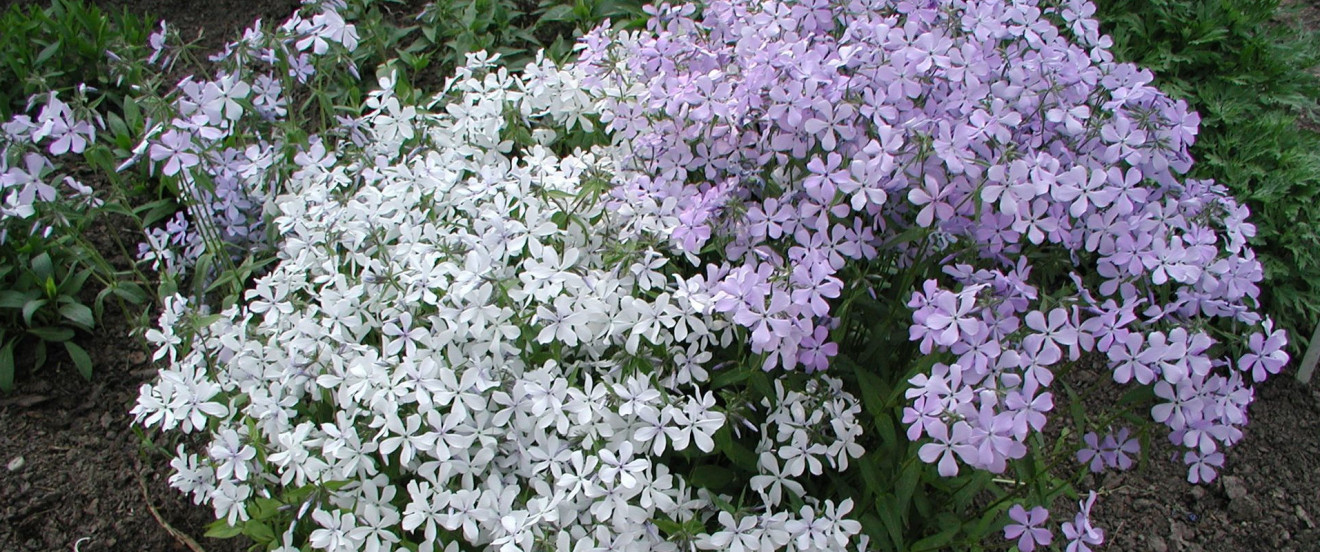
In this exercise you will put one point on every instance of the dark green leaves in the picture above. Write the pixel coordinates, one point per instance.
(1245, 70)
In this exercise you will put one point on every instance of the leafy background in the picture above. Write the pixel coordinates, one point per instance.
(1240, 64)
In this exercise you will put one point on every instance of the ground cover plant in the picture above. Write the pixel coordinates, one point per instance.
(668, 295)
(1236, 64)
(733, 276)
(63, 45)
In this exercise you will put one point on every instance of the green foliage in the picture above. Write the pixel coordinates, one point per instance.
(60, 46)
(41, 290)
(514, 29)
(55, 283)
(1245, 72)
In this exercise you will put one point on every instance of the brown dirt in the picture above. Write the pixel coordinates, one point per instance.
(1267, 497)
(74, 470)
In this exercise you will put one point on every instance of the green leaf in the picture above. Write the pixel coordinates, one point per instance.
(219, 529)
(1076, 410)
(941, 540)
(53, 334)
(42, 267)
(79, 314)
(870, 469)
(157, 211)
(558, 13)
(30, 308)
(116, 124)
(740, 455)
(80, 359)
(710, 476)
(47, 53)
(7, 366)
(11, 299)
(259, 532)
(907, 483)
(129, 291)
(132, 114)
(668, 526)
(264, 508)
(873, 394)
(886, 507)
(734, 374)
(73, 283)
(40, 355)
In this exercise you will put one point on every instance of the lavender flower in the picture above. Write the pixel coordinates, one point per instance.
(1027, 529)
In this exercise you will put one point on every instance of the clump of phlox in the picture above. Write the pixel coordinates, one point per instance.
(222, 137)
(461, 342)
(798, 150)
(29, 167)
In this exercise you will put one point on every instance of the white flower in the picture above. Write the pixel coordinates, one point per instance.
(338, 533)
(566, 323)
(191, 476)
(772, 481)
(621, 465)
(230, 501)
(232, 455)
(295, 460)
(739, 535)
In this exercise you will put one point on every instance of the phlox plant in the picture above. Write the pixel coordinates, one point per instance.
(46, 254)
(216, 143)
(462, 344)
(765, 275)
(980, 177)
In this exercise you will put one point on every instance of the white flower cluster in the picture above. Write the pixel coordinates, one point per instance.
(460, 342)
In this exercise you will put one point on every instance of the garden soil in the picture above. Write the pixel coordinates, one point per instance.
(75, 476)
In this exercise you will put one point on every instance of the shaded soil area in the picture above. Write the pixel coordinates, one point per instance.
(74, 474)
(1267, 496)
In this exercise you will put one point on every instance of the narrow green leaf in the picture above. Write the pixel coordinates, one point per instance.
(80, 359)
(7, 366)
(740, 455)
(12, 299)
(157, 211)
(888, 512)
(30, 308)
(41, 355)
(132, 114)
(558, 13)
(130, 292)
(74, 281)
(53, 334)
(259, 532)
(116, 125)
(941, 540)
(710, 476)
(46, 53)
(221, 530)
(873, 395)
(79, 314)
(729, 376)
(42, 267)
(907, 485)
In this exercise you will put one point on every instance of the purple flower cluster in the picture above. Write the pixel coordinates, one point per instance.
(789, 139)
(218, 143)
(1115, 450)
(29, 150)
